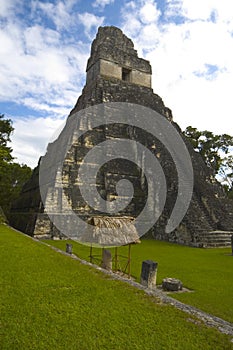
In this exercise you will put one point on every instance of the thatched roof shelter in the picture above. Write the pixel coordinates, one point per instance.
(111, 231)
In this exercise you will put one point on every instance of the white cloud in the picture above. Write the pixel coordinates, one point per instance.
(149, 12)
(90, 22)
(31, 137)
(140, 22)
(38, 38)
(102, 3)
(59, 12)
(8, 8)
(40, 69)
(191, 60)
(199, 9)
(36, 61)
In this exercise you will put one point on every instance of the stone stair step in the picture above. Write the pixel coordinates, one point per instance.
(215, 239)
(216, 245)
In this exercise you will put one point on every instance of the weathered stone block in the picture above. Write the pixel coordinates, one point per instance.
(149, 273)
(141, 78)
(172, 284)
(69, 248)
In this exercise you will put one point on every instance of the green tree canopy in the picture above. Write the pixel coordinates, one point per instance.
(6, 130)
(216, 151)
(12, 175)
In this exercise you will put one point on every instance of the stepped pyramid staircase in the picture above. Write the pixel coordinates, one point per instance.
(208, 236)
(215, 239)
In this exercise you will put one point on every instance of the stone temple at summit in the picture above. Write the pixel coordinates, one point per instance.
(115, 74)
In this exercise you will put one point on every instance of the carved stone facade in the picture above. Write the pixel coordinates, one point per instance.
(116, 74)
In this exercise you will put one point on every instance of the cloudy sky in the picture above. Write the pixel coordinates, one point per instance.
(44, 46)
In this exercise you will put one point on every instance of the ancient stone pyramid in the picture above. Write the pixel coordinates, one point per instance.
(116, 74)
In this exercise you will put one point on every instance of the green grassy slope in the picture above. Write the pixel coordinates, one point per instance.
(206, 271)
(50, 301)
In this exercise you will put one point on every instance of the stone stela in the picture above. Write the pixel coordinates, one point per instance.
(149, 273)
(69, 248)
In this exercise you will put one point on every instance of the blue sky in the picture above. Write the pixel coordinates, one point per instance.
(45, 46)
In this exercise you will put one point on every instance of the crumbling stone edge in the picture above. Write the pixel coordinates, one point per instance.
(209, 320)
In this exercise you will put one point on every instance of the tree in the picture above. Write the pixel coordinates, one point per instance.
(216, 151)
(6, 130)
(12, 175)
(225, 174)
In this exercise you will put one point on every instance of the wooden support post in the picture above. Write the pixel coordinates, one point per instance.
(232, 244)
(116, 260)
(106, 259)
(102, 257)
(129, 261)
(91, 254)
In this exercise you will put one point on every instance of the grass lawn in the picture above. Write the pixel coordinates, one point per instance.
(208, 272)
(50, 301)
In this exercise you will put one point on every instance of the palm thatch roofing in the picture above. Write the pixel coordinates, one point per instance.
(111, 231)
